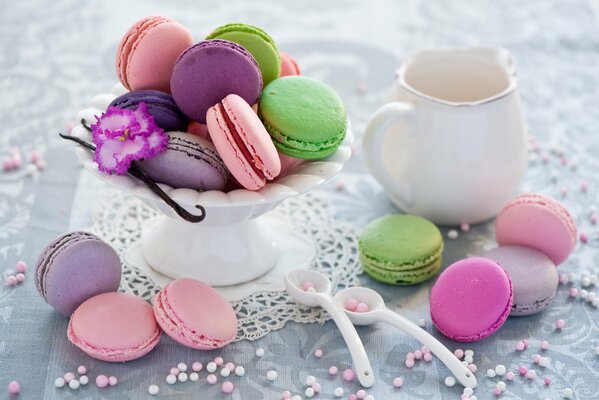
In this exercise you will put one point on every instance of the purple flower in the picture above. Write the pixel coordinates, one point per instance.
(122, 136)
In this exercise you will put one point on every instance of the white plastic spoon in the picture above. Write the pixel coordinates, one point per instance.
(321, 296)
(377, 311)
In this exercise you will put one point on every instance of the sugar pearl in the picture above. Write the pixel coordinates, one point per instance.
(567, 393)
(428, 357)
(286, 395)
(14, 388)
(174, 371)
(230, 366)
(369, 397)
(473, 398)
(469, 359)
(59, 382)
(469, 353)
(197, 366)
(510, 376)
(271, 375)
(153, 390)
(309, 392)
(239, 370)
(418, 355)
(491, 373)
(522, 371)
(349, 375)
(171, 379)
(69, 376)
(219, 361)
(227, 387)
(525, 343)
(351, 304)
(74, 384)
(473, 368)
(544, 345)
(497, 391)
(182, 367)
(310, 380)
(410, 363)
(194, 377)
(316, 387)
(338, 392)
(531, 374)
(296, 397)
(465, 227)
(500, 370)
(422, 323)
(333, 370)
(520, 346)
(307, 285)
(544, 362)
(547, 381)
(398, 382)
(113, 380)
(211, 379)
(83, 380)
(501, 385)
(225, 372)
(362, 307)
(536, 358)
(20, 277)
(410, 356)
(450, 381)
(182, 377)
(560, 324)
(102, 381)
(468, 391)
(452, 234)
(11, 280)
(360, 394)
(21, 267)
(459, 353)
(318, 353)
(260, 352)
(211, 367)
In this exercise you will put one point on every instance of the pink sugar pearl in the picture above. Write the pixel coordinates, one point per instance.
(101, 381)
(316, 387)
(520, 346)
(197, 366)
(428, 357)
(69, 376)
(230, 366)
(352, 397)
(174, 371)
(286, 395)
(459, 353)
(351, 304)
(349, 375)
(318, 353)
(7, 164)
(14, 388)
(584, 185)
(536, 358)
(211, 379)
(113, 380)
(397, 382)
(425, 350)
(40, 164)
(547, 381)
(17, 162)
(219, 361)
(525, 343)
(410, 356)
(82, 370)
(11, 280)
(227, 387)
(584, 238)
(522, 371)
(362, 307)
(21, 267)
(497, 392)
(544, 345)
(360, 394)
(573, 292)
(465, 227)
(594, 218)
(35, 156)
(560, 324)
(410, 363)
(510, 376)
(20, 277)
(333, 370)
(418, 355)
(307, 285)
(472, 367)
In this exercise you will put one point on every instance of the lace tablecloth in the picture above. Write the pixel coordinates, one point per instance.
(56, 55)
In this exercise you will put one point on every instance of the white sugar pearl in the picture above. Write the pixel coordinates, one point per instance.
(310, 380)
(153, 390)
(225, 372)
(182, 367)
(583, 294)
(473, 398)
(422, 323)
(450, 381)
(59, 382)
(500, 370)
(260, 352)
(585, 281)
(182, 377)
(544, 362)
(311, 290)
(594, 279)
(338, 392)
(171, 379)
(568, 393)
(309, 392)
(501, 385)
(469, 359)
(211, 367)
(469, 353)
(194, 377)
(491, 373)
(239, 370)
(296, 397)
(271, 375)
(369, 397)
(452, 234)
(465, 363)
(468, 391)
(83, 380)
(74, 384)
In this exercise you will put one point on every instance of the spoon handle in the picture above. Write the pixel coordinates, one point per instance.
(462, 374)
(353, 342)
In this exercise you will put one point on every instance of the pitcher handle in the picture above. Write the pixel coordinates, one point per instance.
(375, 133)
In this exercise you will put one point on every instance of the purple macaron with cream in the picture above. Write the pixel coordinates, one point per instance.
(207, 72)
(160, 105)
(74, 267)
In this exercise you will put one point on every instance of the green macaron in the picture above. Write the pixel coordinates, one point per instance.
(257, 42)
(305, 117)
(401, 249)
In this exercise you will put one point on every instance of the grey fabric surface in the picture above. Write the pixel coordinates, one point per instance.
(56, 55)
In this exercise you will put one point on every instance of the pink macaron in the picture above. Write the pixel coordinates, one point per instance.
(243, 142)
(147, 53)
(537, 221)
(195, 315)
(288, 65)
(114, 327)
(471, 299)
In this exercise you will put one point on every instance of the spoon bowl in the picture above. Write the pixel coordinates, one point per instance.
(363, 295)
(294, 281)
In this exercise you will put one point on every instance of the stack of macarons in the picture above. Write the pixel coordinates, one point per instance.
(78, 274)
(237, 107)
(473, 297)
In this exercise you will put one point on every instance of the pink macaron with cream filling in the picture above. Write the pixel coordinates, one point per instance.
(243, 142)
(195, 315)
(537, 221)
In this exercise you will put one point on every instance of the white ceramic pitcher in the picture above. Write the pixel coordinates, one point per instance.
(452, 145)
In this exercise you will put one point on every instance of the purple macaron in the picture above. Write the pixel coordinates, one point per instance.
(207, 72)
(189, 162)
(161, 105)
(75, 267)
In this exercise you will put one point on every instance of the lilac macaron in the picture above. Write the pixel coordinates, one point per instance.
(189, 162)
(207, 72)
(74, 267)
(160, 105)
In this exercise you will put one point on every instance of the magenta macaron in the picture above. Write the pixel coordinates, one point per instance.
(537, 221)
(195, 315)
(243, 142)
(471, 299)
(114, 327)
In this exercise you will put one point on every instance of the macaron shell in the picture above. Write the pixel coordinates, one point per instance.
(198, 129)
(289, 66)
(114, 327)
(209, 71)
(148, 52)
(196, 315)
(540, 222)
(534, 277)
(471, 299)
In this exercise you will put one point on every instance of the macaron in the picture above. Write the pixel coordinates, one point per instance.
(471, 299)
(289, 66)
(534, 277)
(401, 249)
(257, 42)
(209, 71)
(537, 221)
(114, 327)
(148, 51)
(198, 129)
(243, 143)
(188, 162)
(74, 267)
(160, 105)
(305, 117)
(195, 315)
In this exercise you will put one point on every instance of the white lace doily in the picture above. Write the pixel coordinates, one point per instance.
(119, 220)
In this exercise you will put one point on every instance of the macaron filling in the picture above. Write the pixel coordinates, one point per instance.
(293, 146)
